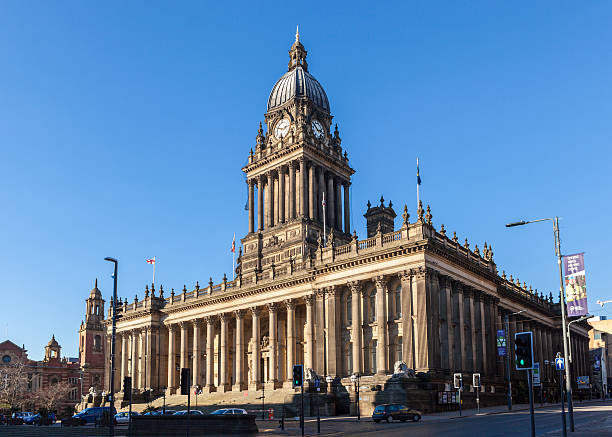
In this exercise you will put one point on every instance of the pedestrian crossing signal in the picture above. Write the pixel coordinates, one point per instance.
(298, 375)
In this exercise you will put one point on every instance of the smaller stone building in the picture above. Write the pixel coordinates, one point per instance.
(600, 351)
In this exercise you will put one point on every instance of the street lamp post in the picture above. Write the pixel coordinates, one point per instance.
(568, 379)
(507, 320)
(111, 397)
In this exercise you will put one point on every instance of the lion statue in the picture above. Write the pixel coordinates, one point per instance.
(401, 370)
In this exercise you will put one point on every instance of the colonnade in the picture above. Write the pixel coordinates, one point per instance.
(296, 190)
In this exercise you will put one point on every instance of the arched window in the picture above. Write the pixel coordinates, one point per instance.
(97, 310)
(398, 302)
(54, 381)
(97, 343)
(349, 360)
(373, 305)
(349, 307)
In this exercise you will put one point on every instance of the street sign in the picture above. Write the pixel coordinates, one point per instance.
(560, 363)
(501, 342)
(536, 374)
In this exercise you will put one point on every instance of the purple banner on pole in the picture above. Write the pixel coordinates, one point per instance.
(575, 285)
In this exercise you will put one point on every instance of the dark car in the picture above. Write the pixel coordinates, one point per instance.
(391, 412)
(93, 415)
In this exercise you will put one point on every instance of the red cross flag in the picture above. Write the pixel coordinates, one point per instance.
(151, 261)
(234, 244)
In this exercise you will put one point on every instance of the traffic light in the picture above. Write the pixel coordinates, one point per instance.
(476, 380)
(457, 380)
(127, 387)
(523, 350)
(185, 381)
(298, 375)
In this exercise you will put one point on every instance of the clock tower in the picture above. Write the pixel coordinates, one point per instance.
(298, 178)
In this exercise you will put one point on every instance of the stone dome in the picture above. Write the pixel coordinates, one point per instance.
(297, 83)
(53, 342)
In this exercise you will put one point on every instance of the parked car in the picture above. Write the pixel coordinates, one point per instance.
(191, 413)
(391, 412)
(93, 414)
(124, 416)
(37, 419)
(22, 415)
(230, 411)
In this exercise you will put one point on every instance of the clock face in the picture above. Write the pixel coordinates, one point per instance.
(317, 128)
(282, 128)
(6, 359)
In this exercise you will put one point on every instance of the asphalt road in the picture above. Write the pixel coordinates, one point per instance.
(590, 420)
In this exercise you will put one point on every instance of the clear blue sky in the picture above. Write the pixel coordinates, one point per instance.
(124, 125)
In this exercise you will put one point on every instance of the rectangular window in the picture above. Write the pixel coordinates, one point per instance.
(597, 335)
(398, 302)
(400, 344)
(373, 364)
(349, 364)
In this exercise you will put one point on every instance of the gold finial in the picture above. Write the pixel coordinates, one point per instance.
(297, 33)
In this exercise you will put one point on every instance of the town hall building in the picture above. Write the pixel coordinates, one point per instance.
(309, 291)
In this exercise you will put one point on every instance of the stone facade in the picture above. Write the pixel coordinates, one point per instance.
(308, 291)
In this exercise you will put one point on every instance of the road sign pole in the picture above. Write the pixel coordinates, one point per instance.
(531, 412)
(302, 418)
(562, 403)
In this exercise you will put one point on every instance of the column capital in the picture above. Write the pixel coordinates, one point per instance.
(197, 322)
(291, 164)
(209, 320)
(184, 324)
(255, 311)
(405, 276)
(319, 292)
(332, 291)
(224, 317)
(273, 307)
(309, 299)
(290, 304)
(380, 281)
(356, 287)
(468, 291)
(477, 295)
(420, 272)
(239, 314)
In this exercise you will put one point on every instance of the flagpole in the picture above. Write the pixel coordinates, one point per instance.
(154, 270)
(418, 185)
(234, 257)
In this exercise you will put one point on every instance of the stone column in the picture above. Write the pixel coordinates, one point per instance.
(210, 354)
(256, 350)
(124, 356)
(303, 188)
(149, 352)
(281, 194)
(141, 358)
(433, 312)
(338, 201)
(312, 204)
(260, 202)
(483, 333)
(224, 377)
(309, 333)
(197, 351)
(331, 205)
(171, 359)
(184, 344)
(461, 307)
(273, 341)
(291, 190)
(381, 324)
(407, 327)
(269, 195)
(422, 337)
(450, 323)
(347, 208)
(290, 303)
(356, 332)
(134, 359)
(468, 294)
(333, 347)
(239, 384)
(321, 187)
(251, 206)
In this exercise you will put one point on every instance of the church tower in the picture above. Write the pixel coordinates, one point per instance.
(91, 336)
(296, 167)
